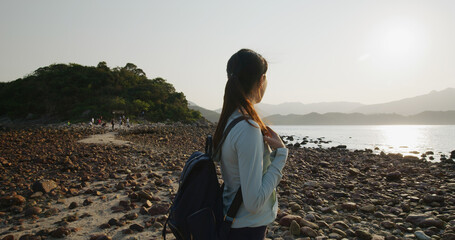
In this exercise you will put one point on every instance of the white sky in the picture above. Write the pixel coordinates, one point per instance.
(318, 51)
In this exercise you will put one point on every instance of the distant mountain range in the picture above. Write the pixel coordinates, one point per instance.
(424, 118)
(434, 101)
(299, 108)
(436, 107)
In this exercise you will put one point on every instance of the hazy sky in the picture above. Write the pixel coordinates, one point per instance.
(318, 51)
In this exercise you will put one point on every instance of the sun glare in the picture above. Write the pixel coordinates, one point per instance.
(399, 41)
(401, 136)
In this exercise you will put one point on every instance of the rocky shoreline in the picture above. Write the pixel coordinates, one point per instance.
(53, 186)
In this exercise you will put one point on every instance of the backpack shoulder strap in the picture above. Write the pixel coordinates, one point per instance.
(229, 218)
(226, 132)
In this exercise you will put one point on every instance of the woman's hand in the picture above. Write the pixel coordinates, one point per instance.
(273, 139)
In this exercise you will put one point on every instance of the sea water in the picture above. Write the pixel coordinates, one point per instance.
(405, 139)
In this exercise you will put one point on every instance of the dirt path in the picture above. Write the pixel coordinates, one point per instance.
(106, 138)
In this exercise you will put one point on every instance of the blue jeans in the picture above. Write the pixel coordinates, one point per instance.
(248, 233)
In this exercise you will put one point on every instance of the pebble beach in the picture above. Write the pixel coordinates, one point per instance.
(92, 183)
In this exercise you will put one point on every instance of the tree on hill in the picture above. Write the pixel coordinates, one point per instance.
(61, 92)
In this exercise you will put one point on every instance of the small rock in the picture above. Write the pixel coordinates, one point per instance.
(393, 176)
(415, 218)
(100, 237)
(44, 186)
(448, 236)
(333, 235)
(295, 207)
(388, 224)
(71, 218)
(127, 231)
(421, 235)
(33, 211)
(9, 201)
(51, 212)
(340, 225)
(370, 208)
(8, 237)
(137, 227)
(406, 207)
(73, 191)
(431, 222)
(377, 237)
(158, 209)
(125, 204)
(339, 194)
(73, 205)
(60, 232)
(145, 195)
(311, 184)
(433, 198)
(324, 164)
(37, 195)
(143, 211)
(286, 220)
(147, 204)
(350, 206)
(158, 225)
(115, 222)
(308, 232)
(120, 186)
(29, 237)
(363, 235)
(302, 222)
(353, 171)
(339, 232)
(87, 202)
(294, 228)
(131, 216)
(105, 225)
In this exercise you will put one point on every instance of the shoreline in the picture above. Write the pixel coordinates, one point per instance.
(336, 193)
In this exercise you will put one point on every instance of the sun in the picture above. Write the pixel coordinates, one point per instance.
(399, 42)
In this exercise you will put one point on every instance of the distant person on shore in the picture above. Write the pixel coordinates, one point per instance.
(112, 122)
(246, 158)
(128, 122)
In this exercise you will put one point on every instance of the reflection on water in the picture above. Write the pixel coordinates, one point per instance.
(406, 136)
(404, 139)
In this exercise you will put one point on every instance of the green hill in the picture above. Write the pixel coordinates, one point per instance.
(61, 92)
(212, 116)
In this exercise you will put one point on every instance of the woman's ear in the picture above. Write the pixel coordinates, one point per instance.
(263, 78)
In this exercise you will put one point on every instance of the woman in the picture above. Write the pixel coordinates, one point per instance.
(246, 158)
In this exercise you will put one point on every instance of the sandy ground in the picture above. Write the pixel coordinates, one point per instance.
(107, 138)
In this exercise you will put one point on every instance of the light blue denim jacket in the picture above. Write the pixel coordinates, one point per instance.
(248, 162)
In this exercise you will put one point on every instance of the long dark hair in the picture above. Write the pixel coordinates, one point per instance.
(244, 71)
